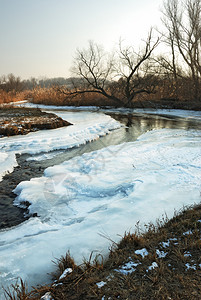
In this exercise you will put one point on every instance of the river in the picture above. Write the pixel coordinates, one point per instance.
(149, 166)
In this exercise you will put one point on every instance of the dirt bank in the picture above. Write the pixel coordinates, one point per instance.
(20, 120)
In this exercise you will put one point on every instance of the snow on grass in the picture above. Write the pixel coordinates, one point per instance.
(128, 268)
(100, 284)
(189, 267)
(66, 272)
(152, 267)
(187, 254)
(100, 192)
(143, 252)
(47, 296)
(161, 254)
(188, 232)
(167, 244)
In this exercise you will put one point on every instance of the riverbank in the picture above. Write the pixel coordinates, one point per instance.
(36, 235)
(21, 120)
(162, 263)
(164, 103)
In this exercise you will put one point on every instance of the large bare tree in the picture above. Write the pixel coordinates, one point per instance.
(119, 76)
(183, 23)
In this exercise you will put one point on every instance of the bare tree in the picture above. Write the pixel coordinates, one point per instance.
(11, 83)
(119, 77)
(183, 23)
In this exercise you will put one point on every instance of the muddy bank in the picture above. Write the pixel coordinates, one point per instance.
(20, 120)
(9, 214)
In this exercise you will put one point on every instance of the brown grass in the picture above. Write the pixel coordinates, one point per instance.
(163, 98)
(7, 97)
(177, 275)
(50, 96)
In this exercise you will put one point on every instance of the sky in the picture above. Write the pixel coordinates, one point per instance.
(39, 38)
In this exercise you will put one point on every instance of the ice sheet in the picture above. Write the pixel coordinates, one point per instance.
(87, 127)
(100, 193)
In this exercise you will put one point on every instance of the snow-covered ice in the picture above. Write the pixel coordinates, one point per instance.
(86, 127)
(7, 163)
(44, 156)
(98, 193)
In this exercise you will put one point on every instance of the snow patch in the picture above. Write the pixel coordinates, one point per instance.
(167, 244)
(101, 284)
(153, 266)
(188, 266)
(128, 268)
(188, 232)
(187, 254)
(161, 254)
(66, 272)
(47, 296)
(143, 252)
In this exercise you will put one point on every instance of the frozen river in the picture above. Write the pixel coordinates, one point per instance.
(139, 172)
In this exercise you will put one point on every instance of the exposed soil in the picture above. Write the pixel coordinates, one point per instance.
(11, 215)
(19, 120)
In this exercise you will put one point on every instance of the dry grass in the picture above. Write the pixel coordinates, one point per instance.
(7, 97)
(17, 291)
(163, 98)
(50, 96)
(174, 245)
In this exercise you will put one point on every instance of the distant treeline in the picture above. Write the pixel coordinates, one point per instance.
(14, 83)
(128, 74)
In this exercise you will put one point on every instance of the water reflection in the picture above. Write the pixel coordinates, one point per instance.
(135, 125)
(139, 124)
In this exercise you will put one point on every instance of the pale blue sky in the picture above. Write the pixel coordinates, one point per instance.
(40, 37)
